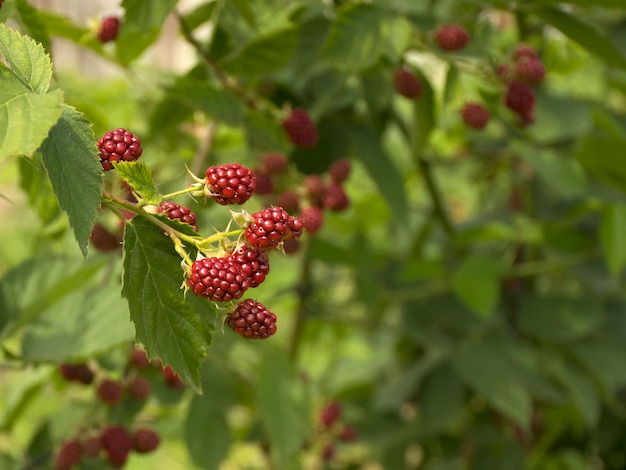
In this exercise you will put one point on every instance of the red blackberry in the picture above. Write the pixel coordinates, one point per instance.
(139, 359)
(118, 145)
(253, 263)
(275, 163)
(330, 414)
(230, 183)
(300, 128)
(314, 186)
(289, 201)
(182, 213)
(103, 239)
(524, 51)
(313, 219)
(110, 391)
(407, 84)
(69, 455)
(145, 440)
(91, 446)
(264, 182)
(117, 443)
(348, 434)
(139, 388)
(172, 379)
(475, 115)
(76, 373)
(335, 198)
(218, 279)
(270, 227)
(252, 320)
(451, 37)
(328, 453)
(520, 98)
(291, 246)
(340, 170)
(529, 70)
(109, 27)
(502, 71)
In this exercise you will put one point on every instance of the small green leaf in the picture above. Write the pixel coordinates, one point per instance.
(216, 102)
(172, 326)
(264, 133)
(26, 59)
(282, 405)
(71, 159)
(613, 234)
(442, 401)
(477, 283)
(424, 117)
(602, 156)
(263, 55)
(139, 177)
(35, 183)
(584, 34)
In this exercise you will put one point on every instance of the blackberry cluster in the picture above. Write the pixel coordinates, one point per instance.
(333, 429)
(272, 226)
(218, 279)
(451, 37)
(475, 115)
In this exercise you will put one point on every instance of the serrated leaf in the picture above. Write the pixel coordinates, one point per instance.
(71, 159)
(139, 177)
(477, 283)
(26, 59)
(263, 55)
(584, 34)
(172, 326)
(35, 183)
(612, 234)
(218, 103)
(80, 325)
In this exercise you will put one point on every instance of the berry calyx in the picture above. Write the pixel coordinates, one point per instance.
(529, 70)
(177, 212)
(252, 320)
(218, 279)
(145, 440)
(475, 115)
(520, 98)
(69, 455)
(230, 183)
(109, 27)
(407, 84)
(110, 391)
(340, 170)
(76, 373)
(117, 444)
(118, 145)
(139, 388)
(300, 128)
(253, 263)
(313, 219)
(270, 227)
(275, 163)
(451, 37)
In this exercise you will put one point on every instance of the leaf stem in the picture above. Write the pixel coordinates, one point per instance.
(190, 189)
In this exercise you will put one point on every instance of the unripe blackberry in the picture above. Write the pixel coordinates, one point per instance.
(264, 183)
(270, 227)
(103, 239)
(182, 213)
(291, 246)
(172, 379)
(475, 115)
(407, 84)
(524, 51)
(139, 388)
(330, 414)
(253, 263)
(109, 27)
(91, 446)
(230, 183)
(300, 128)
(314, 186)
(117, 444)
(218, 279)
(118, 145)
(145, 440)
(313, 219)
(139, 359)
(520, 98)
(451, 37)
(275, 163)
(335, 198)
(340, 170)
(289, 201)
(529, 70)
(69, 455)
(76, 373)
(252, 320)
(110, 391)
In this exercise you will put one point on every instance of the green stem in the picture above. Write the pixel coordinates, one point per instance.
(304, 292)
(190, 189)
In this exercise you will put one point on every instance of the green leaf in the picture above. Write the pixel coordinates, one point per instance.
(477, 283)
(485, 367)
(32, 23)
(80, 325)
(63, 27)
(559, 319)
(381, 168)
(602, 156)
(139, 177)
(442, 401)
(423, 115)
(71, 159)
(246, 12)
(613, 234)
(26, 59)
(172, 326)
(264, 133)
(584, 34)
(143, 22)
(361, 34)
(282, 405)
(35, 183)
(263, 55)
(603, 359)
(216, 102)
